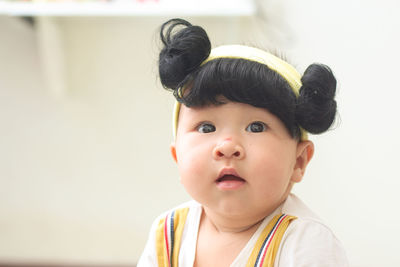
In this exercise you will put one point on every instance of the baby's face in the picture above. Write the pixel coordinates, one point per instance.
(235, 158)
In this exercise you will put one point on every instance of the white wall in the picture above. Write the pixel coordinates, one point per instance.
(82, 176)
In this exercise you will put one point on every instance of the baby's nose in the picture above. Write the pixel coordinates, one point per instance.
(228, 149)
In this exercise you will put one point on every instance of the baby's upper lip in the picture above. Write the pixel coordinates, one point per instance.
(228, 171)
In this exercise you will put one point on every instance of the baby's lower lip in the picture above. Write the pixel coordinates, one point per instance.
(230, 182)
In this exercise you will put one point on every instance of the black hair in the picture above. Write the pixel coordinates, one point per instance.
(244, 81)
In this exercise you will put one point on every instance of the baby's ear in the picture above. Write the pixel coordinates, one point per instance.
(304, 153)
(173, 152)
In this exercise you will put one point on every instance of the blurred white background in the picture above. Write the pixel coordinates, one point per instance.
(85, 170)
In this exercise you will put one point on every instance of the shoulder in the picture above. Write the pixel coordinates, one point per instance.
(193, 209)
(308, 241)
(149, 257)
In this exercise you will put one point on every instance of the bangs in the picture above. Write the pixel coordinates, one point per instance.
(242, 81)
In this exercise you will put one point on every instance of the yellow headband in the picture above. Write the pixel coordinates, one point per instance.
(287, 71)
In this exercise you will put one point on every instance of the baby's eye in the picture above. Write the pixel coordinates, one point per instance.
(206, 128)
(256, 127)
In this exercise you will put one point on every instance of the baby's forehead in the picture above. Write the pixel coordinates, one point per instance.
(229, 108)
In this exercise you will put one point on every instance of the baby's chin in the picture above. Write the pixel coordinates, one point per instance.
(242, 209)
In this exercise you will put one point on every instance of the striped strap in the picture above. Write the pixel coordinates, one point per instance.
(169, 236)
(267, 245)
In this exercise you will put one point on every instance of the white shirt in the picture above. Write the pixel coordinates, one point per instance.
(307, 242)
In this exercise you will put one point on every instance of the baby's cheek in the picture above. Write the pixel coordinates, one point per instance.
(190, 171)
(194, 186)
(271, 178)
(188, 163)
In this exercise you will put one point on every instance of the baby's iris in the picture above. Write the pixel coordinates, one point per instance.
(206, 128)
(256, 127)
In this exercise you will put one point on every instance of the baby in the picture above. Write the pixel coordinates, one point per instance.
(241, 125)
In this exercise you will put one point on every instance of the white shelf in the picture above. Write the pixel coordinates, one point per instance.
(51, 36)
(131, 8)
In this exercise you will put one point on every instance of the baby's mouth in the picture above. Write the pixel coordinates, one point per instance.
(230, 177)
(228, 180)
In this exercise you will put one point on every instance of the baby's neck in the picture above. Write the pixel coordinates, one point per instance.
(221, 239)
(231, 224)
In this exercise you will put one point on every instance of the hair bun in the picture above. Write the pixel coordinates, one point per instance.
(316, 106)
(184, 50)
